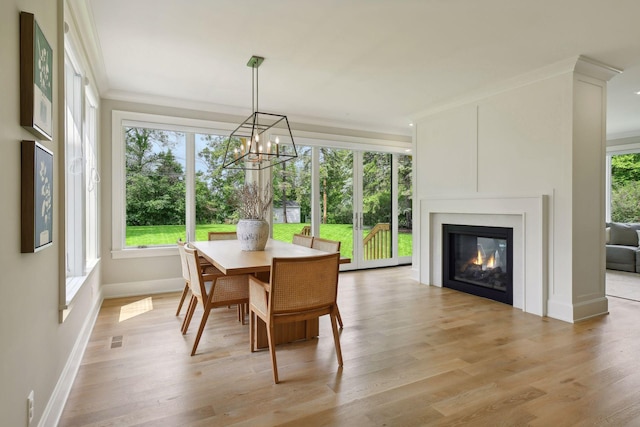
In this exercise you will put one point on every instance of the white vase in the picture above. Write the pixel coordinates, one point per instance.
(252, 234)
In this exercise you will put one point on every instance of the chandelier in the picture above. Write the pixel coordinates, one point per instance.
(250, 146)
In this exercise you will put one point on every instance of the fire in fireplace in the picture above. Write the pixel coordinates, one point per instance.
(478, 260)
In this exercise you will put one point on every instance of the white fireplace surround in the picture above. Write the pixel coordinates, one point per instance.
(526, 215)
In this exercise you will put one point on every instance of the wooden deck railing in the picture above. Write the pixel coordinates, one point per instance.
(377, 244)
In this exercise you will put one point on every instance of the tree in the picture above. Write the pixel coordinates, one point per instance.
(292, 182)
(284, 174)
(336, 185)
(405, 195)
(139, 152)
(376, 188)
(625, 188)
(155, 179)
(625, 168)
(217, 185)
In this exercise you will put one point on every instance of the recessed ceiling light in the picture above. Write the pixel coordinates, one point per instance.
(638, 92)
(411, 124)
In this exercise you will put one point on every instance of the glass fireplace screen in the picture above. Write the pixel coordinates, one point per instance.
(478, 260)
(481, 261)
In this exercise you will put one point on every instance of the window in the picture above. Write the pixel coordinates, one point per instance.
(405, 203)
(624, 187)
(292, 196)
(214, 186)
(336, 197)
(165, 171)
(155, 186)
(173, 181)
(81, 177)
(168, 184)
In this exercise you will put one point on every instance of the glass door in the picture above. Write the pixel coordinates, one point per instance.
(373, 227)
(336, 198)
(360, 198)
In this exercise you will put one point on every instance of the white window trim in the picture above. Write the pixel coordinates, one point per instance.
(73, 284)
(615, 150)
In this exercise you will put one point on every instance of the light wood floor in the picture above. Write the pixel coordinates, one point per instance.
(413, 355)
(623, 284)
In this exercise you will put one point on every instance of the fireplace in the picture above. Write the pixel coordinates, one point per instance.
(478, 260)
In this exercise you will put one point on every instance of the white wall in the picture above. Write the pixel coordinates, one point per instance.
(35, 347)
(540, 138)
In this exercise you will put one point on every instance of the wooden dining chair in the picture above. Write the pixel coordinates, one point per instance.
(222, 235)
(299, 289)
(302, 240)
(185, 275)
(327, 245)
(217, 235)
(211, 291)
(204, 264)
(226, 235)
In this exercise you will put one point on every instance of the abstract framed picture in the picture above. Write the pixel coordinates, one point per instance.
(37, 197)
(36, 68)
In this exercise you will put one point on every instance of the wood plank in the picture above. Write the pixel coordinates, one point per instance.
(413, 355)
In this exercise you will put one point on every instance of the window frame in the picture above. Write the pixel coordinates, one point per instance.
(615, 150)
(82, 234)
(122, 119)
(119, 121)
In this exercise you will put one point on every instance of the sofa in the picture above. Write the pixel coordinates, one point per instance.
(623, 250)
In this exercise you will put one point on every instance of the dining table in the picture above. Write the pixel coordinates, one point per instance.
(227, 257)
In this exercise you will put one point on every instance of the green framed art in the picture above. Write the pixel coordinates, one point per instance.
(36, 77)
(37, 197)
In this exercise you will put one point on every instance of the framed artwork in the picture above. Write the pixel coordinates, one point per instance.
(37, 197)
(36, 68)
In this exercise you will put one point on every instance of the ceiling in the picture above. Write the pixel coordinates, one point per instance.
(362, 64)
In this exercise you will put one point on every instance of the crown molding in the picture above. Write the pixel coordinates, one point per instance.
(165, 101)
(579, 64)
(238, 114)
(623, 138)
(81, 15)
(596, 69)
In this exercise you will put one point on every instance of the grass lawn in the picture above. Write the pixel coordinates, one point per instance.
(154, 235)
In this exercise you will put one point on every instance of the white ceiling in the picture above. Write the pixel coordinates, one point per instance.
(365, 64)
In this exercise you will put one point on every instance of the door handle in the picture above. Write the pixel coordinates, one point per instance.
(357, 220)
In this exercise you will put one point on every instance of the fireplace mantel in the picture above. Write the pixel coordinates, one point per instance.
(526, 215)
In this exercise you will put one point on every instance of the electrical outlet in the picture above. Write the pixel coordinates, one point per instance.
(30, 407)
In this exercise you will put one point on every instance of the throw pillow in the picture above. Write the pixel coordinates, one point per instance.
(624, 234)
(607, 235)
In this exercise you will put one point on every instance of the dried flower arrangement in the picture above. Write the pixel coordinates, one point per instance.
(253, 201)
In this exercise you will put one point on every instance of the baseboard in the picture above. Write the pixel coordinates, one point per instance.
(415, 274)
(147, 287)
(579, 311)
(589, 309)
(560, 311)
(55, 406)
(53, 411)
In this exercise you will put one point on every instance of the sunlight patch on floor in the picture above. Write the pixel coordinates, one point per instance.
(135, 308)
